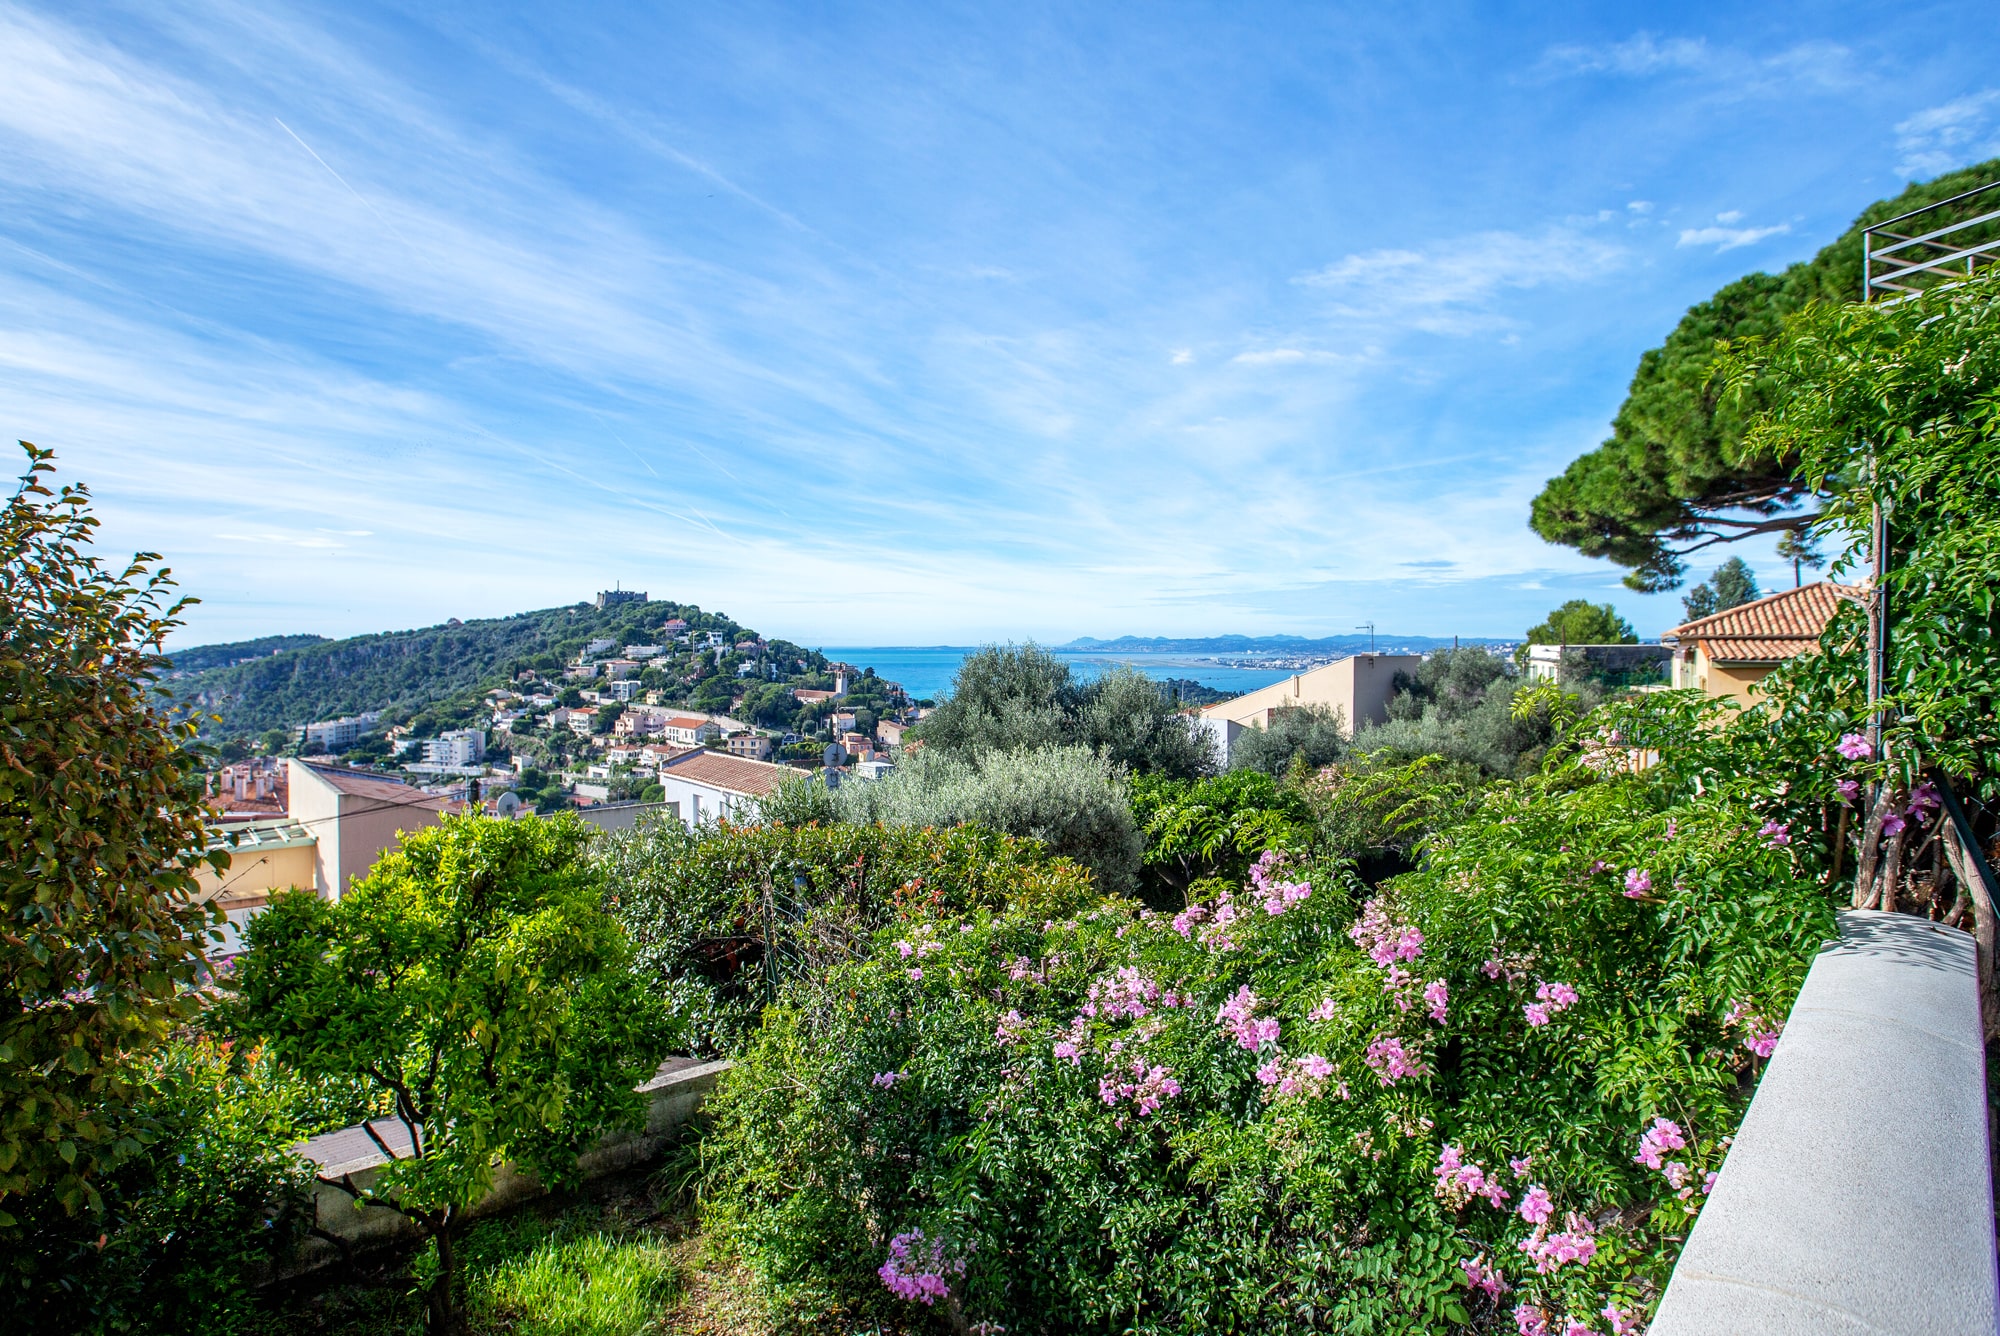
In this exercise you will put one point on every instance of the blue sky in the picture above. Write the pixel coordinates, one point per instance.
(910, 324)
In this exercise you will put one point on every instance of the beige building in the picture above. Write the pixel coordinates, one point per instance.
(1730, 652)
(265, 856)
(1358, 687)
(353, 817)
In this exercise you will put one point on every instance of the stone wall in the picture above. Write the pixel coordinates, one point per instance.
(354, 1156)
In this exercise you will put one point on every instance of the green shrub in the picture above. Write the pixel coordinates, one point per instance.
(1081, 1125)
(702, 907)
(1068, 798)
(190, 1225)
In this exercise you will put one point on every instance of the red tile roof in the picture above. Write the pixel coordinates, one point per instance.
(737, 774)
(1772, 628)
(390, 792)
(685, 721)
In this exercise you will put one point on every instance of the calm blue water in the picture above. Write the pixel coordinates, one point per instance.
(926, 670)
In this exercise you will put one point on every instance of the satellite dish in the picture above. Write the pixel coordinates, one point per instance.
(508, 803)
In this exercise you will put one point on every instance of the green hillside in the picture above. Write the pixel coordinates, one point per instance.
(203, 657)
(438, 669)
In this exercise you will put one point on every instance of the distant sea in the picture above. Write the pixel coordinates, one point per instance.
(927, 670)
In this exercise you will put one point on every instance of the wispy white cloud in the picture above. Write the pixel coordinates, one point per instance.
(1810, 66)
(1950, 135)
(1450, 287)
(1729, 238)
(1730, 216)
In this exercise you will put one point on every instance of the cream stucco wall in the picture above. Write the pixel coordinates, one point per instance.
(1735, 681)
(1359, 687)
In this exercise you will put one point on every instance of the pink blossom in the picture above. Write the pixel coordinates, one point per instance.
(1147, 1089)
(1577, 1327)
(1892, 826)
(1011, 1028)
(1521, 1166)
(1251, 1034)
(1854, 747)
(1185, 920)
(1022, 968)
(1673, 827)
(1624, 1322)
(911, 1273)
(1530, 1321)
(1848, 789)
(1385, 940)
(887, 1080)
(1708, 1183)
(1638, 882)
(1560, 996)
(916, 974)
(1537, 1014)
(1480, 1276)
(1924, 800)
(1268, 1073)
(1776, 834)
(1390, 1063)
(1551, 1251)
(1763, 1042)
(905, 950)
(1656, 1140)
(1437, 995)
(1325, 1011)
(1493, 967)
(1536, 1208)
(1316, 1067)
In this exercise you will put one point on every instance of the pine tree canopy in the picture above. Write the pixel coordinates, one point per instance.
(1674, 477)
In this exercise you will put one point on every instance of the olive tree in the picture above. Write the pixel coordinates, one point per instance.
(100, 833)
(474, 977)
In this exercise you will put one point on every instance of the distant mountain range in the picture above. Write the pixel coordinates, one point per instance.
(1382, 641)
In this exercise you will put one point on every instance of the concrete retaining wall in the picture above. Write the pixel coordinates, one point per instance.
(1858, 1197)
(352, 1156)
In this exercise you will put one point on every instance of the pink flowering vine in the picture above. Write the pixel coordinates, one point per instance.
(1776, 834)
(887, 1080)
(1384, 939)
(1437, 996)
(1481, 1276)
(1250, 1032)
(1277, 893)
(1530, 1320)
(915, 1273)
(1147, 1089)
(1854, 747)
(1552, 1251)
(1536, 1208)
(1012, 1028)
(1390, 1062)
(1460, 1180)
(1848, 789)
(1657, 1140)
(1638, 882)
(1325, 1011)
(1624, 1321)
(1551, 999)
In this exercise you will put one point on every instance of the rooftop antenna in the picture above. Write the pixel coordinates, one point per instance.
(1369, 627)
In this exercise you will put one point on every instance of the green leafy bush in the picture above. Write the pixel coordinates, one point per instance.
(704, 907)
(190, 1225)
(1070, 799)
(1285, 1107)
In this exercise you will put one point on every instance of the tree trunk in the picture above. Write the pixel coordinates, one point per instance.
(1869, 858)
(441, 1302)
(1985, 929)
(1889, 874)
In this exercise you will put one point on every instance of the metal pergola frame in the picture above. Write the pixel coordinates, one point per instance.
(1916, 260)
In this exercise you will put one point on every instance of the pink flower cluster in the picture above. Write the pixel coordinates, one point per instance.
(1854, 746)
(1550, 1251)
(1300, 1076)
(919, 950)
(1325, 1011)
(1638, 883)
(1480, 1276)
(1074, 1041)
(887, 1080)
(1848, 789)
(1536, 1208)
(1390, 1062)
(1624, 1321)
(1776, 834)
(1278, 894)
(1460, 1181)
(1657, 1140)
(1385, 940)
(1023, 969)
(1185, 920)
(1760, 1036)
(1437, 997)
(1012, 1028)
(1147, 1088)
(1127, 993)
(1530, 1320)
(916, 1274)
(1552, 998)
(1250, 1032)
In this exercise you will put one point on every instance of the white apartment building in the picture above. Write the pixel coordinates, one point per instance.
(599, 646)
(461, 746)
(643, 652)
(334, 734)
(690, 732)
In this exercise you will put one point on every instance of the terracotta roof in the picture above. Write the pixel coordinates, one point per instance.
(686, 721)
(737, 774)
(1774, 627)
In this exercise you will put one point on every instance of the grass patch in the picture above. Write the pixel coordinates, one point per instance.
(575, 1280)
